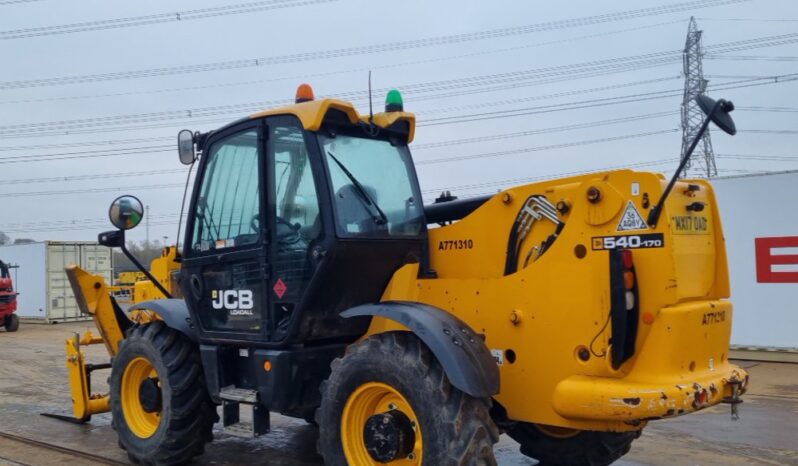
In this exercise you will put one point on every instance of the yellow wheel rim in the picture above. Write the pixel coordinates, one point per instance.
(370, 399)
(140, 422)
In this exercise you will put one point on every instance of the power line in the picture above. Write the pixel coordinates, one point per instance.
(118, 142)
(749, 57)
(370, 49)
(58, 223)
(81, 155)
(14, 2)
(95, 176)
(135, 21)
(113, 142)
(768, 131)
(91, 190)
(577, 105)
(762, 157)
(748, 20)
(506, 113)
(305, 77)
(556, 129)
(418, 147)
(542, 148)
(616, 64)
(98, 153)
(572, 71)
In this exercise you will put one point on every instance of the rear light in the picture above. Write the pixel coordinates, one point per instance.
(625, 312)
(629, 279)
(630, 300)
(626, 256)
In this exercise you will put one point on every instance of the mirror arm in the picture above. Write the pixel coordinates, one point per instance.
(653, 216)
(146, 272)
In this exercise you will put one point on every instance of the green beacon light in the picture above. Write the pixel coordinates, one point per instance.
(393, 101)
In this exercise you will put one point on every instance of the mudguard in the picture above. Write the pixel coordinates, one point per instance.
(174, 313)
(462, 353)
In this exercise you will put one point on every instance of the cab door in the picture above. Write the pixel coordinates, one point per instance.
(296, 225)
(226, 261)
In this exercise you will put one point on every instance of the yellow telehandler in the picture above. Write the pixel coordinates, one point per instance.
(315, 283)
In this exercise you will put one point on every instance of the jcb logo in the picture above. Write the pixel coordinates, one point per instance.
(232, 299)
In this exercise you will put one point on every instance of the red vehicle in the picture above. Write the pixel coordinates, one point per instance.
(8, 300)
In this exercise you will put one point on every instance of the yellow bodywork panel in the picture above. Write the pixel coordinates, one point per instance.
(312, 115)
(164, 269)
(555, 308)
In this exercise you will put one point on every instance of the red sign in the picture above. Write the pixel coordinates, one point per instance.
(280, 288)
(765, 259)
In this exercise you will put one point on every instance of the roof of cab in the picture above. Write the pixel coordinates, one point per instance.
(312, 114)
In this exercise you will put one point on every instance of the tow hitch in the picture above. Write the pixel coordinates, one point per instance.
(734, 400)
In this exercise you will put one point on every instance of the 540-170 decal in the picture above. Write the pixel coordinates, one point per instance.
(648, 240)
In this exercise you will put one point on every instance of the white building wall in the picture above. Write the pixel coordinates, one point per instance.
(765, 304)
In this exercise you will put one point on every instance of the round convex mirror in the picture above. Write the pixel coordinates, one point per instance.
(185, 147)
(126, 212)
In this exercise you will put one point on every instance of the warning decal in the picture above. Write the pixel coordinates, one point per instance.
(280, 288)
(631, 219)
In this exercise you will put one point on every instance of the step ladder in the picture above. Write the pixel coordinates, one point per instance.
(232, 398)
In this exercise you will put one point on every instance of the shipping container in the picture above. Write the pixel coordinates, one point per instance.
(760, 223)
(44, 291)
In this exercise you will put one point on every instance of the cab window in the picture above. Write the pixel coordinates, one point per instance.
(374, 186)
(297, 220)
(228, 207)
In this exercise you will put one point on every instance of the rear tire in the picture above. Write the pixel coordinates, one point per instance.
(11, 323)
(398, 371)
(577, 448)
(161, 409)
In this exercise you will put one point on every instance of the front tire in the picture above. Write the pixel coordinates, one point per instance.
(566, 447)
(11, 323)
(161, 409)
(388, 401)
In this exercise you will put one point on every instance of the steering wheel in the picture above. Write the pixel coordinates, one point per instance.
(254, 223)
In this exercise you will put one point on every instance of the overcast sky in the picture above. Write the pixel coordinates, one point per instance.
(533, 57)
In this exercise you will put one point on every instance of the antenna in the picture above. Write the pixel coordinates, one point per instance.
(371, 108)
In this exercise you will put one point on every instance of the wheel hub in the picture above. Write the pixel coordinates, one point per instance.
(389, 436)
(150, 395)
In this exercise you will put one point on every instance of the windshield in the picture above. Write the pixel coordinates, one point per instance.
(374, 187)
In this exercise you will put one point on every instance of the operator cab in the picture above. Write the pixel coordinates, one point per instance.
(298, 214)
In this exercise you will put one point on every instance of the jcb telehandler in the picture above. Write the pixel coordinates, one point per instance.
(567, 313)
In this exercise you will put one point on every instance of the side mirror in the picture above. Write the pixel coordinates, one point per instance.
(126, 212)
(721, 116)
(185, 147)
